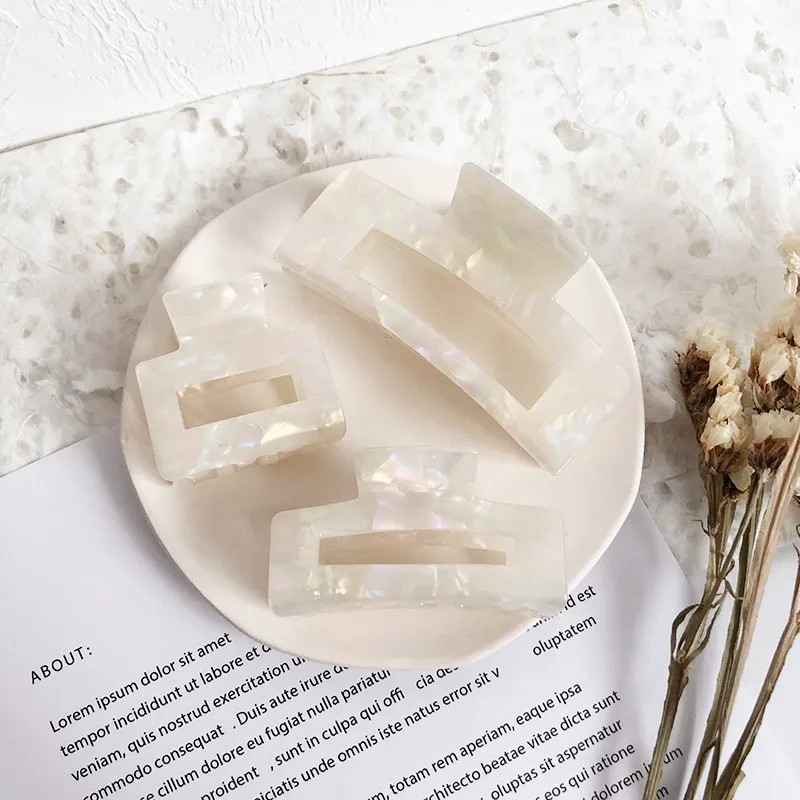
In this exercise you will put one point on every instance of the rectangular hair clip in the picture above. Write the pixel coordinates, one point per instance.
(237, 391)
(472, 291)
(416, 536)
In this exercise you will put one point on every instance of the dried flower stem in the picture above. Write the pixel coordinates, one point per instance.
(717, 723)
(756, 581)
(732, 775)
(698, 620)
(712, 736)
(676, 683)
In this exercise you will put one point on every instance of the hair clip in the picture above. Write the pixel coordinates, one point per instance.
(236, 391)
(416, 535)
(472, 292)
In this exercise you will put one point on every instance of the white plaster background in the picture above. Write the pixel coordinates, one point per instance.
(68, 64)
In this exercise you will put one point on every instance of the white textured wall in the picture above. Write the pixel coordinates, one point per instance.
(68, 64)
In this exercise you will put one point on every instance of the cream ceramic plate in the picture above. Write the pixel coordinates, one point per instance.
(390, 397)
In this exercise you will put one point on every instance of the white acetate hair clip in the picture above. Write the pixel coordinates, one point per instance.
(236, 391)
(472, 291)
(415, 536)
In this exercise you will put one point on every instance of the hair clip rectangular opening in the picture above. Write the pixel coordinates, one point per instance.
(236, 395)
(414, 547)
(458, 313)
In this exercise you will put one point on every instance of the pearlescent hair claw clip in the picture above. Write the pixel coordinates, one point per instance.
(236, 391)
(472, 291)
(416, 536)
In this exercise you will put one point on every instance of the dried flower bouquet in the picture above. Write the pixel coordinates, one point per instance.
(748, 432)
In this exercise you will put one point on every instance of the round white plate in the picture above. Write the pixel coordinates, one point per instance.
(390, 396)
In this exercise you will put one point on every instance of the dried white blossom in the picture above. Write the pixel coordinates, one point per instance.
(723, 369)
(774, 360)
(725, 433)
(712, 381)
(785, 320)
(772, 434)
(792, 376)
(726, 426)
(789, 250)
(774, 425)
(709, 337)
(727, 405)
